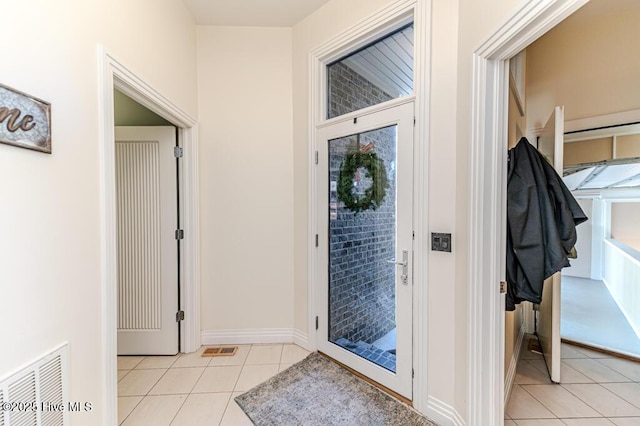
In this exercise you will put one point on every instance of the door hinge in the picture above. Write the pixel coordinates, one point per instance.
(413, 235)
(413, 373)
(414, 121)
(177, 151)
(317, 241)
(503, 287)
(179, 234)
(317, 157)
(317, 322)
(179, 316)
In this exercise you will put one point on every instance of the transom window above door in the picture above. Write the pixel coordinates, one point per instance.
(376, 73)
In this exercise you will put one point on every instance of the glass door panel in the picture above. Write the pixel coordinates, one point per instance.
(362, 244)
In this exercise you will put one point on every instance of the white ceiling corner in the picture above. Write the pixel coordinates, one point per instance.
(252, 13)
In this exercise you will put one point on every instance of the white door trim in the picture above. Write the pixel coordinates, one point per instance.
(113, 74)
(487, 200)
(359, 35)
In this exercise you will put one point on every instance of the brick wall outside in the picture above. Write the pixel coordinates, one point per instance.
(361, 282)
(349, 91)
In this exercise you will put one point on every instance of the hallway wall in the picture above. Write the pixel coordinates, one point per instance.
(50, 251)
(246, 181)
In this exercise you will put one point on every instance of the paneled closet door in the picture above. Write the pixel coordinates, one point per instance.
(146, 194)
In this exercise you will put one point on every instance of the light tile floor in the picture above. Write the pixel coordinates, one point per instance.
(596, 390)
(191, 390)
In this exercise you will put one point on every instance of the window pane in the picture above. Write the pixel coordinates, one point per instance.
(362, 241)
(377, 73)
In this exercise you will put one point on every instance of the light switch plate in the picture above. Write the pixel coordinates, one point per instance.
(440, 242)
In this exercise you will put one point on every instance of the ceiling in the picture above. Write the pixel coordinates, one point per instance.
(252, 13)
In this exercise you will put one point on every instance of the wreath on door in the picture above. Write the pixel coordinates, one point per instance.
(375, 170)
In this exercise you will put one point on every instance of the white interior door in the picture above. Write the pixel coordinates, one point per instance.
(147, 218)
(550, 144)
(364, 309)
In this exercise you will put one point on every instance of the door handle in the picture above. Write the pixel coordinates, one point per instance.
(405, 266)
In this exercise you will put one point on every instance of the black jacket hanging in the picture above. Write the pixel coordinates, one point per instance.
(541, 219)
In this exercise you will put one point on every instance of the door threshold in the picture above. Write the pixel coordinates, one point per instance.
(373, 383)
(603, 351)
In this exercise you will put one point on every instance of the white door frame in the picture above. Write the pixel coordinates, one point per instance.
(114, 75)
(359, 35)
(487, 199)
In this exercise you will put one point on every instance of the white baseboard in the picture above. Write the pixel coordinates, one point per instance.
(254, 335)
(442, 413)
(301, 339)
(511, 374)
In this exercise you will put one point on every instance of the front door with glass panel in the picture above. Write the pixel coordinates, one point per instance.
(365, 191)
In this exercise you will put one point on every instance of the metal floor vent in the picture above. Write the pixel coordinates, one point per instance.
(37, 394)
(226, 351)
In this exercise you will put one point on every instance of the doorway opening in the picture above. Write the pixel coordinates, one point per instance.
(491, 58)
(148, 213)
(487, 200)
(115, 76)
(148, 239)
(598, 145)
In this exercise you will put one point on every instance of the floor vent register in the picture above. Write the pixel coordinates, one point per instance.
(225, 351)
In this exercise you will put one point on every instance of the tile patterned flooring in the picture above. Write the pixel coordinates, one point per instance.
(190, 390)
(596, 390)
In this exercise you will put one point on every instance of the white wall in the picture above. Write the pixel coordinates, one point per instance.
(446, 310)
(50, 251)
(246, 178)
(624, 223)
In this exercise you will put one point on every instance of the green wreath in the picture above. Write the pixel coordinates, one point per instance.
(374, 195)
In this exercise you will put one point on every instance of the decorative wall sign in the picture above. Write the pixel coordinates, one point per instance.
(25, 121)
